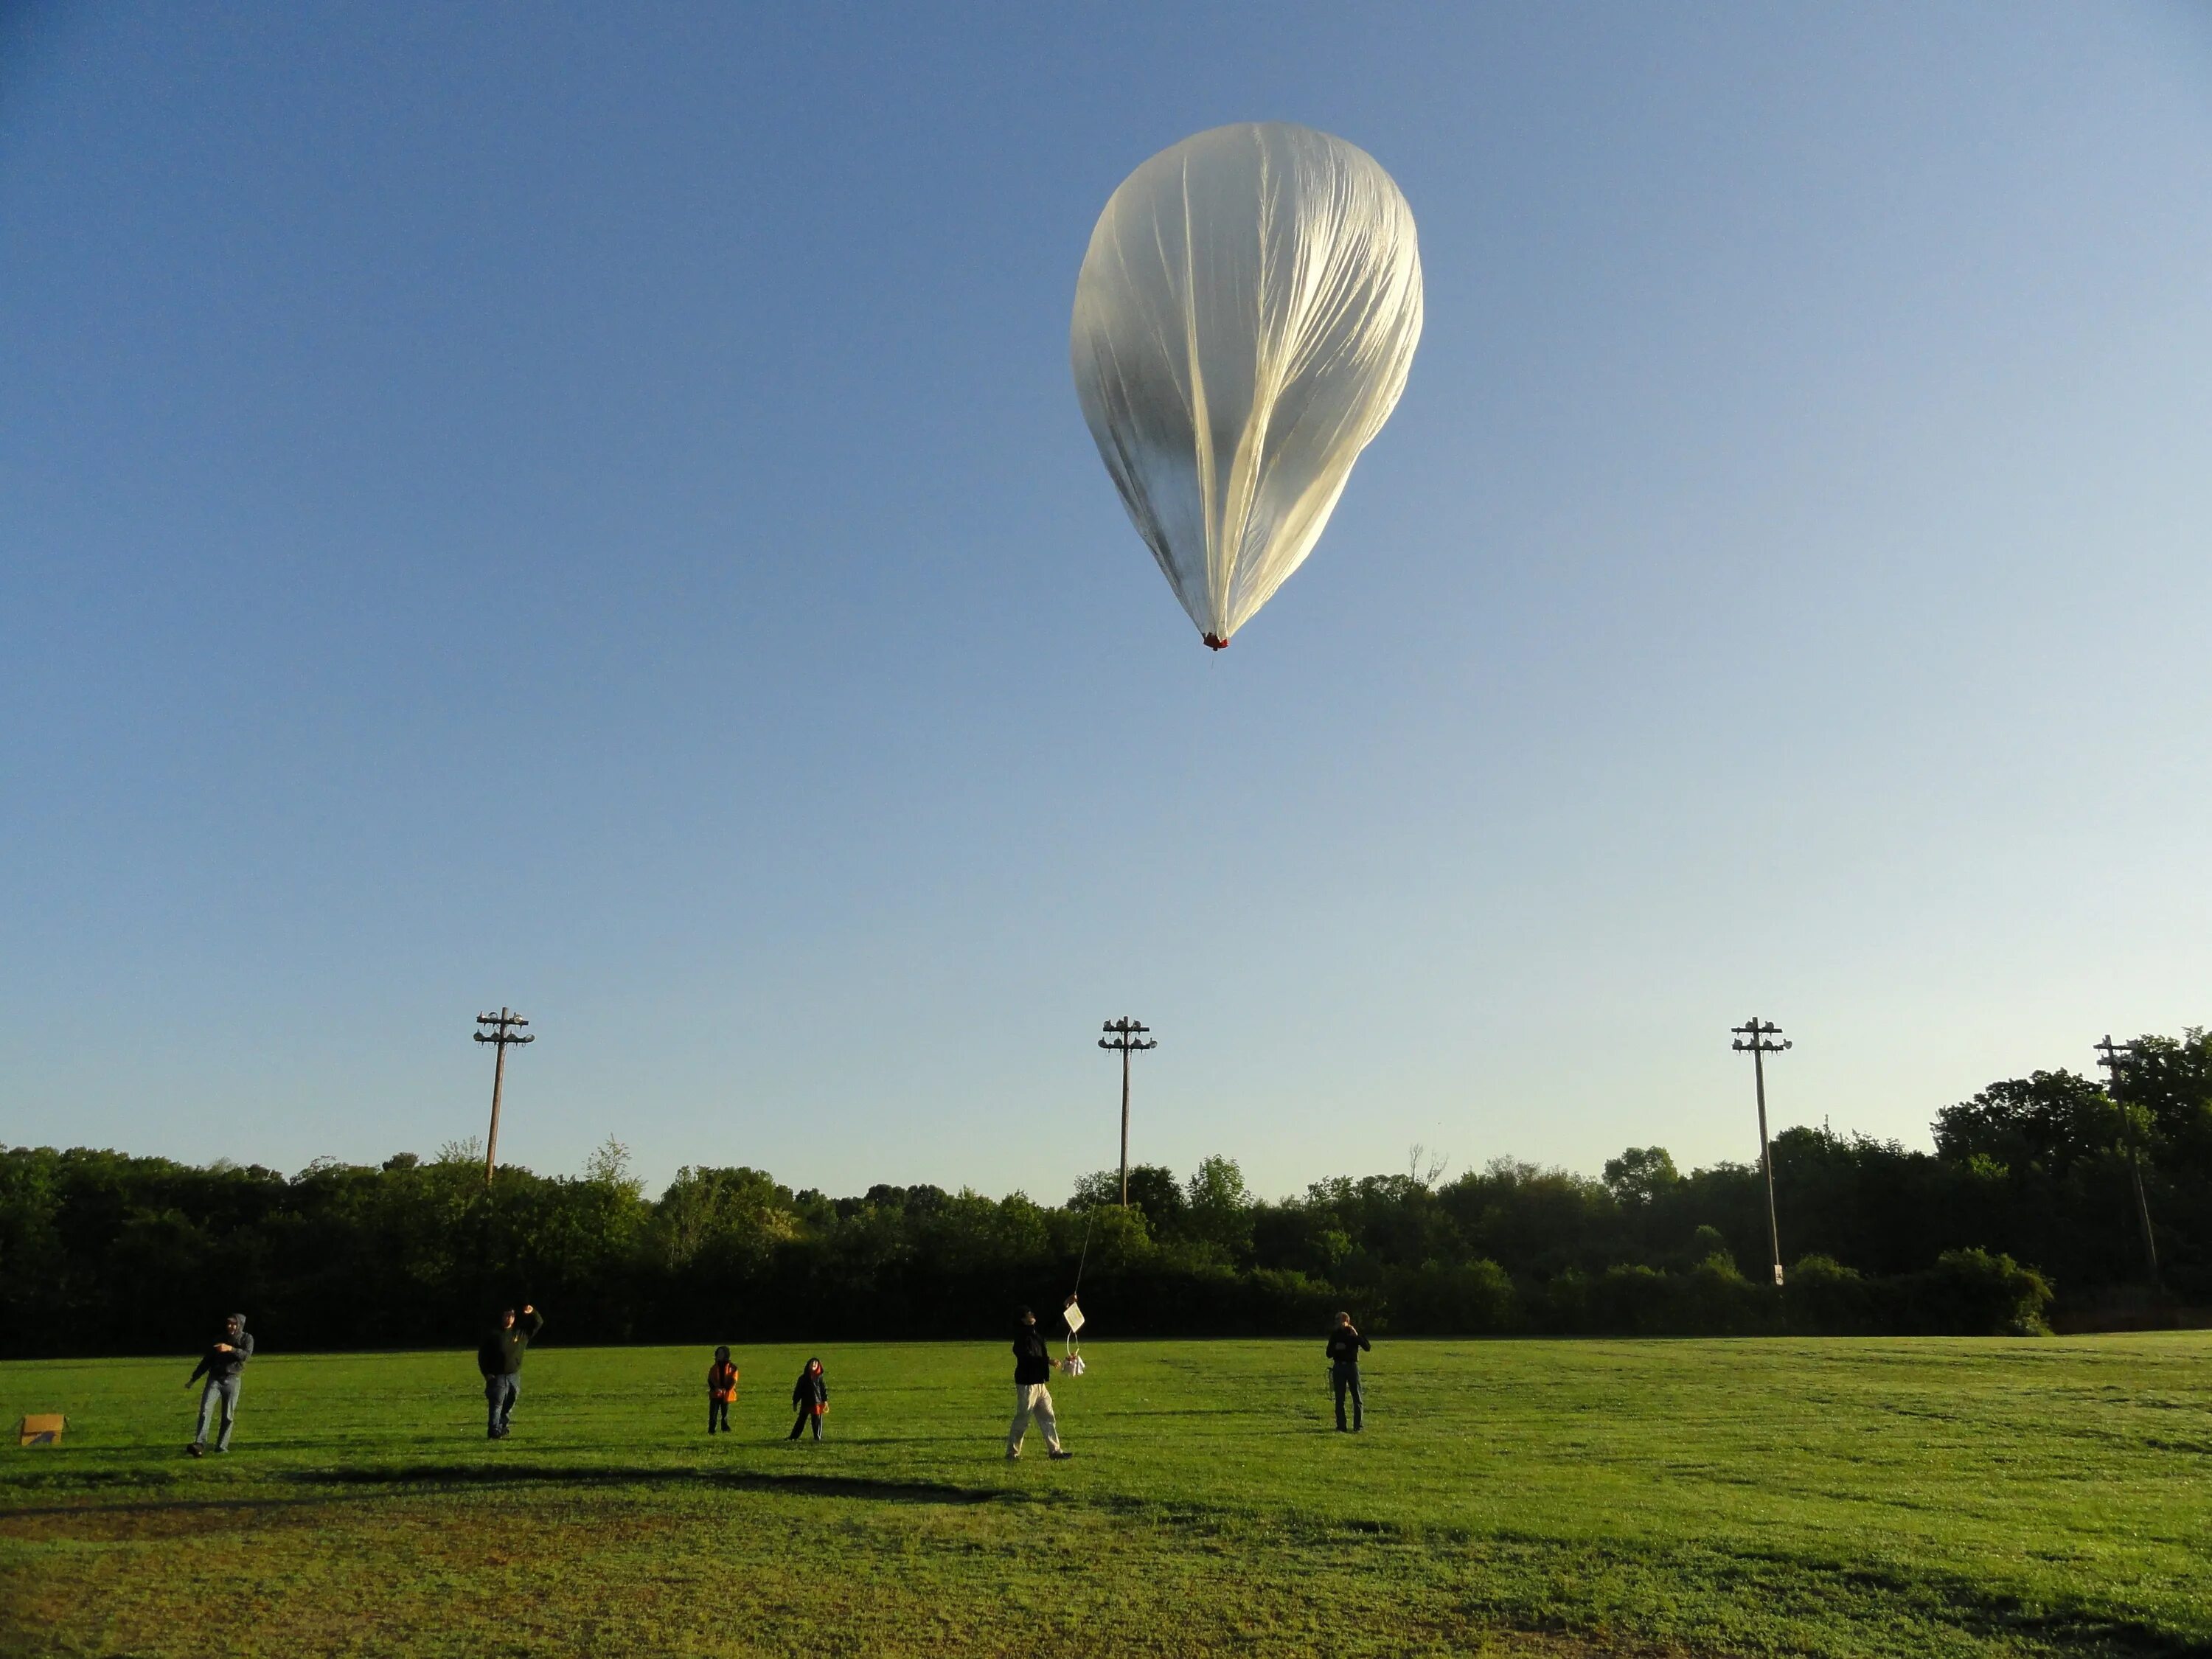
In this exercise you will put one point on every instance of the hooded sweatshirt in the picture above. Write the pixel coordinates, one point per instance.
(500, 1353)
(221, 1367)
(812, 1388)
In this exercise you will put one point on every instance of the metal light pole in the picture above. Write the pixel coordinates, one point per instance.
(2116, 1058)
(1125, 1034)
(502, 1035)
(1752, 1039)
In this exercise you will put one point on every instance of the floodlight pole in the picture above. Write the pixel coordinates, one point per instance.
(1125, 1034)
(505, 1025)
(1752, 1038)
(2116, 1058)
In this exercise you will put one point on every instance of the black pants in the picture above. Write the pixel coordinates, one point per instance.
(718, 1415)
(1342, 1380)
(807, 1414)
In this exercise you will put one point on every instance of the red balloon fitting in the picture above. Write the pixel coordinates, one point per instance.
(1216, 645)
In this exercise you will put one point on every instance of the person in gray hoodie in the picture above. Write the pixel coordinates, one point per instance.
(221, 1364)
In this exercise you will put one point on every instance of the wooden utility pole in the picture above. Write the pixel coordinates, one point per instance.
(1752, 1038)
(1125, 1034)
(505, 1025)
(2116, 1058)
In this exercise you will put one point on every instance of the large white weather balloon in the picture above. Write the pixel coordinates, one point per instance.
(1246, 315)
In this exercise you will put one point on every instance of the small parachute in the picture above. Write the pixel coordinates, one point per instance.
(1244, 321)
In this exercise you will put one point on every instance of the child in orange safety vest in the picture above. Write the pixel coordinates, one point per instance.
(721, 1390)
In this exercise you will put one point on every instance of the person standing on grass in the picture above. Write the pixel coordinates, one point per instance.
(500, 1358)
(810, 1394)
(221, 1364)
(1033, 1365)
(721, 1390)
(1345, 1343)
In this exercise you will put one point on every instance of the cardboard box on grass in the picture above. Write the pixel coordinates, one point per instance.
(43, 1429)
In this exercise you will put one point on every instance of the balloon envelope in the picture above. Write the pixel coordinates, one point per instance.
(1244, 321)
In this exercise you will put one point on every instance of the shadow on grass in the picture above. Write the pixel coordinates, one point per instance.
(1992, 1614)
(1815, 1595)
(397, 1481)
(463, 1474)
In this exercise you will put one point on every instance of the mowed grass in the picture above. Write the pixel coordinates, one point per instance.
(1906, 1497)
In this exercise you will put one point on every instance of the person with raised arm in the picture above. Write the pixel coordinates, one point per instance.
(499, 1357)
(1345, 1343)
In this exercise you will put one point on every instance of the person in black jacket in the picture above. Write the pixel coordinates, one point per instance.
(1345, 1343)
(721, 1390)
(221, 1365)
(1033, 1366)
(499, 1357)
(810, 1394)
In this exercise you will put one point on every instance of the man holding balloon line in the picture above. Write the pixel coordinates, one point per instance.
(1033, 1369)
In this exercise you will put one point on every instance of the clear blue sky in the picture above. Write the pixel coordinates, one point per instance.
(586, 509)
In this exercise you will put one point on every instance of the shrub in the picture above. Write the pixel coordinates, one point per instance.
(1820, 1297)
(1973, 1293)
(1473, 1298)
(1716, 1299)
(1634, 1300)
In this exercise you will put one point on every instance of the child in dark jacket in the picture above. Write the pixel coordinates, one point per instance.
(721, 1390)
(810, 1394)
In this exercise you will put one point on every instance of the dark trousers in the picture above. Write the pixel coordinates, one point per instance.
(718, 1414)
(807, 1414)
(500, 1393)
(1343, 1380)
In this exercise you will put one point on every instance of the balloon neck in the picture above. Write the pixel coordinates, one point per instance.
(1215, 644)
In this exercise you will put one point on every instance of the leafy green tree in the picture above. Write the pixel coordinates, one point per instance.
(1711, 1244)
(739, 1215)
(2047, 1123)
(1641, 1174)
(1531, 1221)
(2171, 1081)
(1219, 1208)
(2028, 1187)
(1152, 1188)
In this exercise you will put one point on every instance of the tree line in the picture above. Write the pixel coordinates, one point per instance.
(2027, 1201)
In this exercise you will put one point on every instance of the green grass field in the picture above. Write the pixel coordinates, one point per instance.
(2048, 1496)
